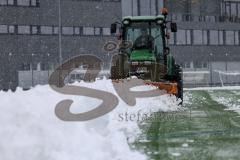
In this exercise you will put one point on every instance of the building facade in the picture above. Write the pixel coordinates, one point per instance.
(206, 45)
(30, 40)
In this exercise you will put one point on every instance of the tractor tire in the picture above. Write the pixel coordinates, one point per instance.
(179, 81)
(115, 73)
(119, 70)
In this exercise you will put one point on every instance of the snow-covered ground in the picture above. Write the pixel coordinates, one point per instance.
(213, 88)
(30, 129)
(229, 100)
(224, 99)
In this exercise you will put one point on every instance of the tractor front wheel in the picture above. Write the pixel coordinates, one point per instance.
(115, 73)
(179, 81)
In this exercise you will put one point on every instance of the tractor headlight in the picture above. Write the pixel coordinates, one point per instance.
(126, 22)
(159, 21)
(134, 63)
(147, 62)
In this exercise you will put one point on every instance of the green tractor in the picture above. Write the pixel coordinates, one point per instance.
(143, 53)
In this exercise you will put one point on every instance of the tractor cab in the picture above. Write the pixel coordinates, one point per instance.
(146, 54)
(146, 37)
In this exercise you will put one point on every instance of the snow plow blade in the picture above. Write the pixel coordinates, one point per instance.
(171, 88)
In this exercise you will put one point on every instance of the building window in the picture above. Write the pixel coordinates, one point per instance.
(106, 31)
(200, 37)
(213, 37)
(181, 37)
(97, 31)
(188, 37)
(7, 2)
(3, 2)
(221, 41)
(3, 29)
(23, 29)
(35, 30)
(10, 2)
(55, 30)
(67, 30)
(231, 9)
(50, 30)
(197, 37)
(210, 19)
(76, 30)
(229, 37)
(205, 37)
(23, 2)
(33, 3)
(88, 31)
(236, 38)
(238, 9)
(11, 29)
(46, 30)
(20, 2)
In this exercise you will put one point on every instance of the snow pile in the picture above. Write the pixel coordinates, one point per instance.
(229, 102)
(31, 131)
(188, 97)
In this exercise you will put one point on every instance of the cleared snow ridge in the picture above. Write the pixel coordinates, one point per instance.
(30, 129)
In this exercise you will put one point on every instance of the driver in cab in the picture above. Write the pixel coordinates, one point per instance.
(144, 40)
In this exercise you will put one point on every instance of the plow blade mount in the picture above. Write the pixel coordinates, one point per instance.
(171, 88)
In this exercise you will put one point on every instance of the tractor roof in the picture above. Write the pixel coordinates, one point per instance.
(144, 18)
